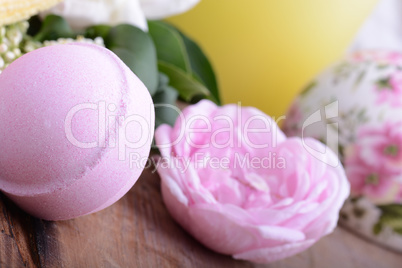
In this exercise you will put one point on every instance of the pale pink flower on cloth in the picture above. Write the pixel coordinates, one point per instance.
(381, 145)
(389, 90)
(393, 57)
(233, 180)
(384, 57)
(374, 163)
(374, 182)
(396, 81)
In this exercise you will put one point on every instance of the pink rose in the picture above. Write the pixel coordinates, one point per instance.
(234, 181)
(374, 163)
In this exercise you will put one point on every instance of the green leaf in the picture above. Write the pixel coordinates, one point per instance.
(359, 78)
(166, 111)
(163, 81)
(54, 27)
(384, 84)
(308, 88)
(137, 50)
(398, 231)
(169, 45)
(392, 209)
(391, 216)
(139, 66)
(97, 30)
(201, 67)
(377, 228)
(392, 221)
(175, 48)
(187, 86)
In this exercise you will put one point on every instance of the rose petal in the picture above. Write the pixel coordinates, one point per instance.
(226, 231)
(271, 254)
(163, 141)
(196, 116)
(259, 213)
(172, 186)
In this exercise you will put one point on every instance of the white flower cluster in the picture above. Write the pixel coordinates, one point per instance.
(14, 42)
(11, 38)
(80, 39)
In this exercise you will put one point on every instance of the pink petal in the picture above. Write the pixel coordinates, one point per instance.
(219, 232)
(162, 139)
(271, 254)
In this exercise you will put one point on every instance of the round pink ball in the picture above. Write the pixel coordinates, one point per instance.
(73, 117)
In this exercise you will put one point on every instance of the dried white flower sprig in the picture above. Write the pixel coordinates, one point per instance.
(11, 39)
(80, 39)
(14, 42)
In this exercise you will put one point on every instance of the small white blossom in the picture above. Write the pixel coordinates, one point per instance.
(2, 31)
(3, 48)
(24, 25)
(9, 56)
(17, 52)
(15, 36)
(14, 42)
(79, 39)
(29, 47)
(99, 41)
(6, 41)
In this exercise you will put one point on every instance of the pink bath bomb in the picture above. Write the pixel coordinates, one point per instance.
(73, 118)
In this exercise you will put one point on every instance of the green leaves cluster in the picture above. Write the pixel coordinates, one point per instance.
(391, 215)
(184, 62)
(169, 63)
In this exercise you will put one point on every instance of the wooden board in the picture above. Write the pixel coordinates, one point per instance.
(137, 231)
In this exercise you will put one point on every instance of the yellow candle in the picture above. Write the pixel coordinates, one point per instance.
(265, 51)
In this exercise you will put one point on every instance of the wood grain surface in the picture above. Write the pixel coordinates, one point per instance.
(137, 231)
